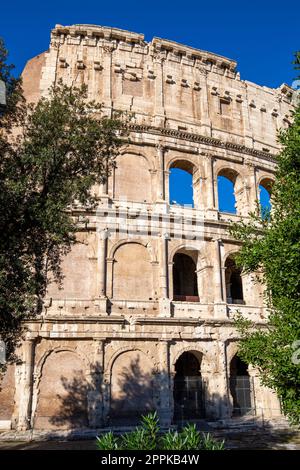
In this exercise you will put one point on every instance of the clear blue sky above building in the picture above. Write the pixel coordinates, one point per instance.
(260, 35)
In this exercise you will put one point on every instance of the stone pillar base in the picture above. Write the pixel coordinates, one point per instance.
(220, 310)
(164, 307)
(101, 306)
(212, 214)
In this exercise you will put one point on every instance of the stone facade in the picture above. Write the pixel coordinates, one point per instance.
(144, 319)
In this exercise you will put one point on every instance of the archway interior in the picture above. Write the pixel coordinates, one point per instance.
(240, 387)
(226, 194)
(181, 183)
(185, 284)
(188, 393)
(234, 283)
(265, 191)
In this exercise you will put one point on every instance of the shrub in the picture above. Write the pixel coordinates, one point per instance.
(147, 436)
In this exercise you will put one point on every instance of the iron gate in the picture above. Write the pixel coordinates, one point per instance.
(242, 391)
(188, 398)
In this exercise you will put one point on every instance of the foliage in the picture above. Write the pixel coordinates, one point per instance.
(271, 247)
(51, 155)
(148, 436)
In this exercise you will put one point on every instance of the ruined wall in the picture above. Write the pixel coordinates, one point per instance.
(109, 339)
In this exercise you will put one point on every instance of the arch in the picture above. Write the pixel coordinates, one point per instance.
(131, 387)
(63, 389)
(129, 149)
(132, 177)
(116, 354)
(187, 387)
(118, 244)
(40, 363)
(185, 163)
(266, 182)
(199, 353)
(181, 248)
(264, 194)
(183, 182)
(233, 281)
(240, 387)
(227, 179)
(132, 272)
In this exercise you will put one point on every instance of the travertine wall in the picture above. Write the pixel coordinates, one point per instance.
(106, 347)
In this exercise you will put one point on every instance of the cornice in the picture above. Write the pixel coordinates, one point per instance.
(201, 139)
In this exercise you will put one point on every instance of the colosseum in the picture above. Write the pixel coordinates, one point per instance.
(145, 317)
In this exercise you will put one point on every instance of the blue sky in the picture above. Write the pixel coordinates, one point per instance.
(260, 35)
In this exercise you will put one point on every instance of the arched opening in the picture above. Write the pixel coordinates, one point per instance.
(240, 387)
(132, 389)
(132, 178)
(188, 391)
(63, 393)
(132, 273)
(182, 187)
(185, 283)
(265, 191)
(234, 283)
(226, 191)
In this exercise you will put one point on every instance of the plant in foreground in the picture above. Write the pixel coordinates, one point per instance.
(148, 436)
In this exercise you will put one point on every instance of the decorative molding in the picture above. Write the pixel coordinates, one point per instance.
(198, 138)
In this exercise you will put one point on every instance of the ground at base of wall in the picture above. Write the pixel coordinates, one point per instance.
(247, 439)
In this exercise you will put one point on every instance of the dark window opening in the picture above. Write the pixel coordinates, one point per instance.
(240, 387)
(234, 283)
(188, 390)
(185, 284)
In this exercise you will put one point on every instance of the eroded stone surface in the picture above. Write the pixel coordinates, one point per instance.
(110, 341)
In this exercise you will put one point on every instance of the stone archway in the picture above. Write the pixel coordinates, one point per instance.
(62, 400)
(185, 282)
(240, 387)
(132, 388)
(234, 283)
(188, 390)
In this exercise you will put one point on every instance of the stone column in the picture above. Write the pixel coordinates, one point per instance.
(209, 176)
(107, 76)
(248, 132)
(95, 396)
(161, 193)
(26, 385)
(101, 296)
(253, 191)
(164, 301)
(223, 382)
(220, 304)
(211, 203)
(218, 271)
(102, 253)
(164, 291)
(163, 379)
(159, 91)
(205, 118)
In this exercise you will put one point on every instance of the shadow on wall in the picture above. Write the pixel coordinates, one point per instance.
(135, 389)
(133, 392)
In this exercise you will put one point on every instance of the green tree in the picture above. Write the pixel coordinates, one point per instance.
(50, 155)
(271, 247)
